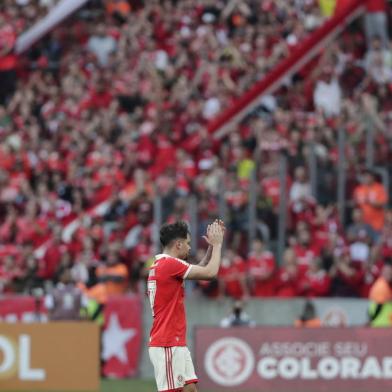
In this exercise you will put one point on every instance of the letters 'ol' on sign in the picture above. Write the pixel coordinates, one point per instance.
(53, 356)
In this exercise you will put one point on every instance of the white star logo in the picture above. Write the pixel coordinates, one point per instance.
(115, 339)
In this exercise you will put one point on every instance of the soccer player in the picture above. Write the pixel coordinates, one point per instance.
(168, 352)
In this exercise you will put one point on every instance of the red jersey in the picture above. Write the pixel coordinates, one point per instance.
(314, 284)
(376, 6)
(258, 267)
(271, 188)
(305, 255)
(166, 293)
(7, 41)
(287, 282)
(370, 275)
(232, 276)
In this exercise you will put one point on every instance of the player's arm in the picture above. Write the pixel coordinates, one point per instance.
(204, 261)
(210, 271)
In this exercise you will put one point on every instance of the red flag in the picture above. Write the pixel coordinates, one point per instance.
(122, 336)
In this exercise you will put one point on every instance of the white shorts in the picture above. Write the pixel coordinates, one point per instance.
(173, 367)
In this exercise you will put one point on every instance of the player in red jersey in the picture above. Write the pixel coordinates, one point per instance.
(168, 352)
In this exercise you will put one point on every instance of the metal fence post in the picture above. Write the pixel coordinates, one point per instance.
(157, 221)
(341, 188)
(192, 205)
(252, 204)
(282, 223)
(369, 142)
(222, 207)
(312, 168)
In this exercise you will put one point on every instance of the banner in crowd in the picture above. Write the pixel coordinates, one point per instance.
(122, 336)
(22, 308)
(51, 356)
(56, 15)
(288, 359)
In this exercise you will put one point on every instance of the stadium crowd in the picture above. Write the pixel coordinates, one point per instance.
(111, 109)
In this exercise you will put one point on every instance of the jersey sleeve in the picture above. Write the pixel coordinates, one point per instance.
(178, 269)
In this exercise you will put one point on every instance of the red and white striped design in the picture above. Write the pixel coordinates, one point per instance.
(169, 368)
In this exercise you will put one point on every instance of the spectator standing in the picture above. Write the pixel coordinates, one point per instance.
(360, 249)
(346, 276)
(380, 295)
(261, 270)
(113, 275)
(288, 276)
(371, 197)
(65, 301)
(102, 45)
(315, 281)
(232, 275)
(300, 191)
(377, 50)
(358, 226)
(376, 21)
(327, 94)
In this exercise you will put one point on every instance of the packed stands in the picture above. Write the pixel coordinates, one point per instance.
(111, 109)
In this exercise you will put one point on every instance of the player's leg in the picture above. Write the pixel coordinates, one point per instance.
(184, 376)
(190, 375)
(190, 388)
(160, 359)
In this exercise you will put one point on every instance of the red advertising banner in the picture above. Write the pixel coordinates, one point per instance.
(22, 308)
(122, 336)
(288, 359)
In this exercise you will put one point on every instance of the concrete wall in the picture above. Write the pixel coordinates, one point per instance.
(268, 312)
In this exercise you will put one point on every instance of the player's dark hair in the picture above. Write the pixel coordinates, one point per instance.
(173, 231)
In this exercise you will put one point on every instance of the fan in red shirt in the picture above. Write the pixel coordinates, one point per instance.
(232, 276)
(346, 277)
(371, 273)
(287, 279)
(98, 98)
(8, 273)
(376, 5)
(384, 245)
(261, 270)
(315, 282)
(169, 355)
(52, 256)
(305, 250)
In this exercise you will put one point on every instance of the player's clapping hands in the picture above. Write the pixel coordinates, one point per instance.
(215, 232)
